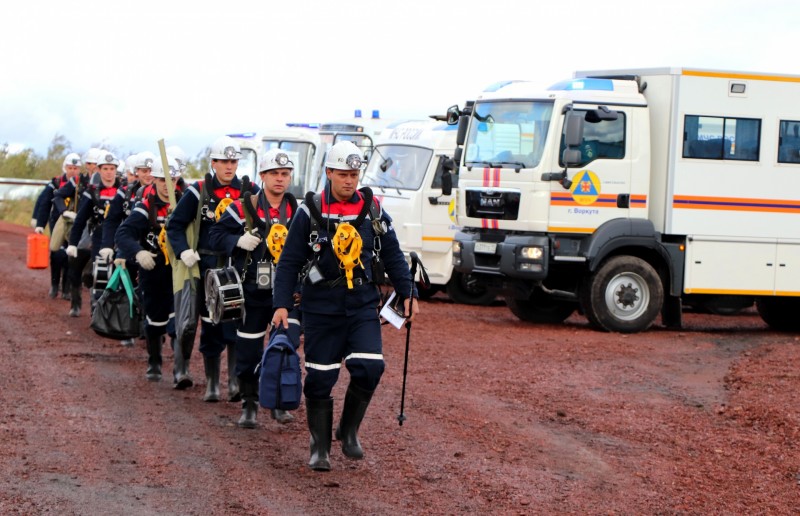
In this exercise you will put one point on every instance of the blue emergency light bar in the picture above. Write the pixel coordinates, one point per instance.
(242, 135)
(583, 84)
(303, 125)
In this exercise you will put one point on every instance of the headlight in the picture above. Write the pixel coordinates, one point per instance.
(456, 253)
(531, 253)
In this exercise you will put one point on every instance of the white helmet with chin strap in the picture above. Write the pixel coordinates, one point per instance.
(107, 158)
(275, 158)
(180, 156)
(157, 169)
(71, 159)
(144, 159)
(225, 147)
(344, 156)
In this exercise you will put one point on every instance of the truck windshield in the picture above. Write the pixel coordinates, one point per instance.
(247, 164)
(508, 134)
(405, 167)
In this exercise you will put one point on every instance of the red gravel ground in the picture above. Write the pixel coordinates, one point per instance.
(503, 417)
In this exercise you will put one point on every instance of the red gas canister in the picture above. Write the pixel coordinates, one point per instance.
(38, 251)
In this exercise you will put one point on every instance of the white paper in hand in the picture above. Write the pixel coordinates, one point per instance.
(390, 312)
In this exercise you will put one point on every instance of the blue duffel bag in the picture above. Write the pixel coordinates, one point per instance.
(280, 381)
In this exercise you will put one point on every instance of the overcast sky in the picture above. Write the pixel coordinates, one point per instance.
(128, 73)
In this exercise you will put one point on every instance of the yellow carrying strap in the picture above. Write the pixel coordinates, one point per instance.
(347, 247)
(162, 243)
(276, 239)
(221, 207)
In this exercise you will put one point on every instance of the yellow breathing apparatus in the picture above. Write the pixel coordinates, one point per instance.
(221, 207)
(162, 243)
(347, 247)
(276, 239)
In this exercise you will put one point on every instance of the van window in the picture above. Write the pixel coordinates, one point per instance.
(604, 139)
(711, 137)
(789, 142)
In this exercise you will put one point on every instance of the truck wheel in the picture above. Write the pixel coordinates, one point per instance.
(624, 294)
(464, 289)
(780, 313)
(540, 308)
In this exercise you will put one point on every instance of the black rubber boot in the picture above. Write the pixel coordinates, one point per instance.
(212, 378)
(75, 302)
(249, 392)
(356, 402)
(65, 286)
(281, 416)
(153, 359)
(233, 380)
(53, 291)
(180, 370)
(320, 423)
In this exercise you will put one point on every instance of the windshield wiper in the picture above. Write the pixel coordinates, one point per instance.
(518, 165)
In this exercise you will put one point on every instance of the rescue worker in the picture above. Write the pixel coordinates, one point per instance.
(128, 194)
(142, 237)
(254, 236)
(212, 197)
(92, 210)
(65, 202)
(339, 297)
(48, 214)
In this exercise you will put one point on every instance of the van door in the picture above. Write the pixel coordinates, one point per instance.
(600, 188)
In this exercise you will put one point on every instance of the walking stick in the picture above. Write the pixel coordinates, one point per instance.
(415, 261)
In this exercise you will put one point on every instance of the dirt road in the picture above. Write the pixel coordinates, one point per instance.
(503, 417)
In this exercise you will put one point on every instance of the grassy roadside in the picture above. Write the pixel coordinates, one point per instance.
(17, 211)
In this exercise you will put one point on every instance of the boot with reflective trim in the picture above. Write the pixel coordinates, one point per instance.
(356, 402)
(180, 369)
(249, 392)
(75, 302)
(233, 380)
(320, 423)
(153, 359)
(212, 366)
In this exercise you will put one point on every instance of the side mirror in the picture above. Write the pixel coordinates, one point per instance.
(463, 124)
(453, 114)
(457, 156)
(571, 157)
(387, 163)
(573, 129)
(447, 183)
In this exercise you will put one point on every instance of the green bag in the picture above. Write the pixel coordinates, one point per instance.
(117, 314)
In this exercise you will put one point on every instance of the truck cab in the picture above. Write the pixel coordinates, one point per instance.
(410, 171)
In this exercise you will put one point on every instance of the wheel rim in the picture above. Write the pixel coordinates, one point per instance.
(627, 296)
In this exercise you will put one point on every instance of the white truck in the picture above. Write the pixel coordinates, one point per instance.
(304, 148)
(410, 171)
(627, 192)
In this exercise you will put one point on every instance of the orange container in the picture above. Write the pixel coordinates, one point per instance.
(38, 251)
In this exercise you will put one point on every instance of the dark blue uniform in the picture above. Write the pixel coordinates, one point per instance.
(213, 338)
(46, 213)
(339, 324)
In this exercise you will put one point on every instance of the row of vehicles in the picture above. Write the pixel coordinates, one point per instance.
(409, 169)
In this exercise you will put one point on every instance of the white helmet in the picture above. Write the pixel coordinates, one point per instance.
(92, 155)
(130, 163)
(225, 147)
(107, 158)
(180, 156)
(344, 156)
(275, 158)
(71, 159)
(144, 159)
(158, 168)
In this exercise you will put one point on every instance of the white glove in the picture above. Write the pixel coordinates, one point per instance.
(248, 241)
(105, 253)
(190, 257)
(146, 259)
(69, 214)
(39, 229)
(72, 251)
(33, 223)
